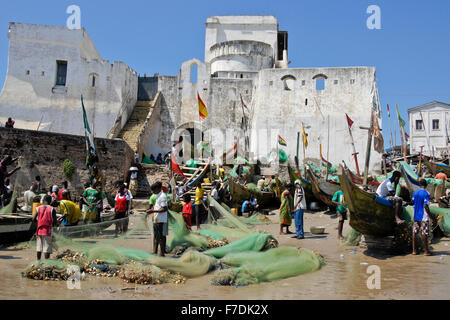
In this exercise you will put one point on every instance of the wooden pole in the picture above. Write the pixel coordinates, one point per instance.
(390, 128)
(328, 147)
(369, 146)
(419, 171)
(355, 154)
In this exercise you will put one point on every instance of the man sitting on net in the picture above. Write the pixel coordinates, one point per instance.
(387, 190)
(28, 198)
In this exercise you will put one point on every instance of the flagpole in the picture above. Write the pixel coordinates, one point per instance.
(390, 128)
(369, 145)
(328, 147)
(355, 154)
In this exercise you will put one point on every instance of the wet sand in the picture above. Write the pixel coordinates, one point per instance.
(402, 277)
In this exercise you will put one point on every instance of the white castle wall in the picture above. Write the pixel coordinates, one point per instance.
(29, 91)
(281, 111)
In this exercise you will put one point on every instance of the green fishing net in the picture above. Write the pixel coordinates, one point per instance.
(191, 264)
(274, 264)
(352, 238)
(254, 242)
(283, 156)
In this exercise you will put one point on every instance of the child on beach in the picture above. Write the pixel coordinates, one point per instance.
(187, 210)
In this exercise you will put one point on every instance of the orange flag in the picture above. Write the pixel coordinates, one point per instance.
(202, 108)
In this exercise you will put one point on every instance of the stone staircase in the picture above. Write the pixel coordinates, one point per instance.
(135, 124)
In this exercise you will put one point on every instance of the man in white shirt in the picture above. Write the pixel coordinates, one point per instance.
(160, 219)
(387, 190)
(28, 198)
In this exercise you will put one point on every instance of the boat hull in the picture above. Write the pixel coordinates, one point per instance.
(239, 194)
(319, 192)
(367, 215)
(16, 229)
(436, 167)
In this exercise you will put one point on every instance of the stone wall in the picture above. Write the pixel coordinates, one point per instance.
(46, 151)
(149, 174)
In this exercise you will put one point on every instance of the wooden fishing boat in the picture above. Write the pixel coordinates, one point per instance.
(197, 177)
(240, 193)
(306, 184)
(369, 214)
(435, 167)
(15, 228)
(412, 180)
(325, 195)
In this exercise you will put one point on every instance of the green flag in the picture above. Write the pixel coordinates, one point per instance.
(91, 152)
(401, 122)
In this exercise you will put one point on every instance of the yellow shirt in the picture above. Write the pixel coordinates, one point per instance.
(199, 195)
(70, 209)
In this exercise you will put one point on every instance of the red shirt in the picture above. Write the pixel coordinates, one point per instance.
(44, 221)
(441, 176)
(60, 195)
(121, 203)
(187, 208)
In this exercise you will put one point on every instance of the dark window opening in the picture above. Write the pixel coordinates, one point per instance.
(419, 125)
(61, 73)
(435, 124)
(282, 41)
(306, 102)
(242, 76)
(93, 81)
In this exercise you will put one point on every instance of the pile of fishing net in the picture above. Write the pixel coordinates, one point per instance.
(352, 238)
(147, 274)
(47, 270)
(274, 264)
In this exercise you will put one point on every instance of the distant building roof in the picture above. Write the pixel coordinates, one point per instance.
(427, 105)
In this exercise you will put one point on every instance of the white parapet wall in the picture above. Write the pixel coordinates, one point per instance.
(31, 91)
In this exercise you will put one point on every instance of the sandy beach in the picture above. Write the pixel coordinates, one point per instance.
(342, 277)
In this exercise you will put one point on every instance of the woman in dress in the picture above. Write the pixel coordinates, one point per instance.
(287, 205)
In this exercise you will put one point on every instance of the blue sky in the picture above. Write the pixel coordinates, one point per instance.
(411, 52)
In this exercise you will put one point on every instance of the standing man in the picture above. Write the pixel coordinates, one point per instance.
(387, 189)
(199, 192)
(160, 219)
(92, 198)
(299, 209)
(46, 219)
(338, 200)
(422, 215)
(121, 210)
(61, 191)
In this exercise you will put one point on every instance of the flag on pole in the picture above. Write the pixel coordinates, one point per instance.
(406, 137)
(389, 113)
(323, 161)
(378, 140)
(281, 141)
(229, 156)
(401, 122)
(305, 139)
(349, 121)
(91, 151)
(174, 165)
(243, 103)
(203, 112)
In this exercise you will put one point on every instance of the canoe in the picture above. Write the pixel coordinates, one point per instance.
(412, 180)
(323, 190)
(16, 228)
(435, 167)
(369, 214)
(198, 179)
(240, 193)
(306, 184)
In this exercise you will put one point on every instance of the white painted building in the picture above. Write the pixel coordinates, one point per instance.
(49, 68)
(246, 56)
(428, 127)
